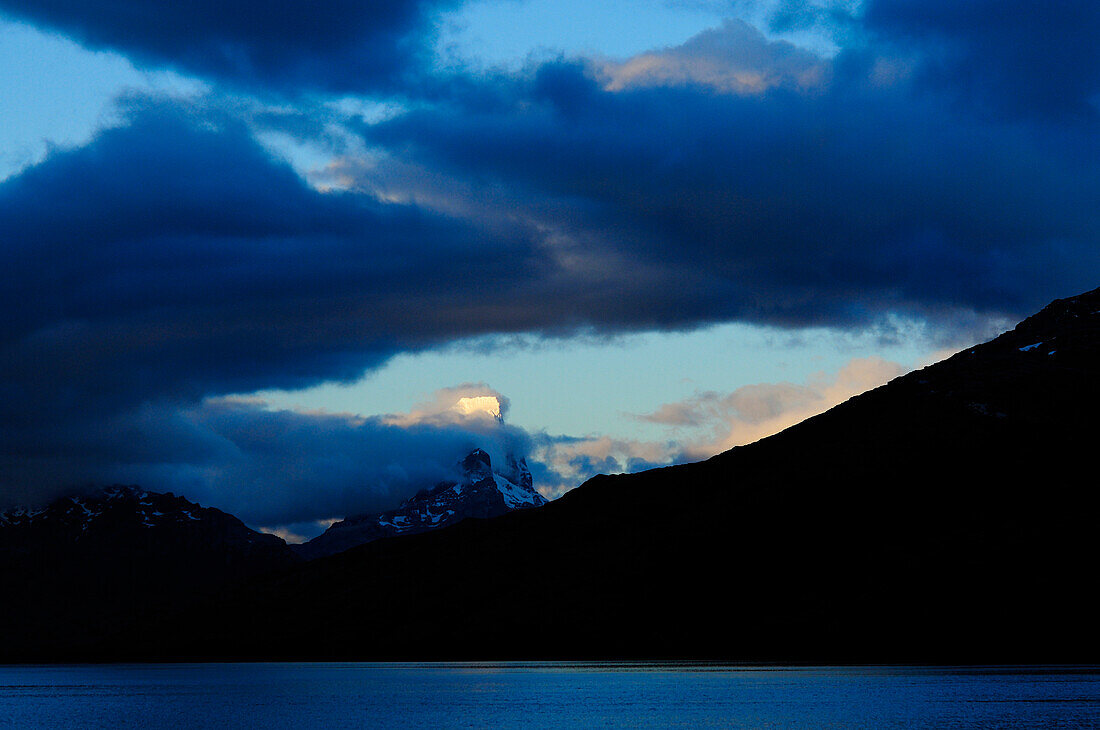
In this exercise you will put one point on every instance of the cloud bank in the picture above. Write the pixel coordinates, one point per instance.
(1023, 57)
(831, 207)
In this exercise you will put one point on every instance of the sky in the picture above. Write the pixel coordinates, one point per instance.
(256, 253)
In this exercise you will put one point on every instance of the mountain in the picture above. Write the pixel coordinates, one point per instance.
(481, 492)
(948, 516)
(86, 566)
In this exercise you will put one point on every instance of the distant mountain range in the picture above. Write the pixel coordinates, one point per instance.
(85, 567)
(948, 516)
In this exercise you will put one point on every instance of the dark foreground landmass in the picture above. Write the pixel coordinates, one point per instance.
(948, 516)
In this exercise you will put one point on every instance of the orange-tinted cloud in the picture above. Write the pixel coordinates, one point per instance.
(753, 412)
(734, 59)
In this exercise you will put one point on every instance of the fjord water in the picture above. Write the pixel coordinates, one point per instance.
(546, 695)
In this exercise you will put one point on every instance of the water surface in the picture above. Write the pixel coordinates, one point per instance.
(292, 695)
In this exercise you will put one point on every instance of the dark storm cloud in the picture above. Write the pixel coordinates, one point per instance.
(1023, 56)
(174, 258)
(285, 46)
(831, 207)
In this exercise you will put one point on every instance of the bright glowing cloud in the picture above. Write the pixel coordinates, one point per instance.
(487, 404)
(468, 403)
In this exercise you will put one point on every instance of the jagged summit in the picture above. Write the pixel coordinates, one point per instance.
(482, 492)
(477, 462)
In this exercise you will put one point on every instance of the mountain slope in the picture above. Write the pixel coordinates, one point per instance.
(946, 516)
(86, 566)
(949, 515)
(481, 492)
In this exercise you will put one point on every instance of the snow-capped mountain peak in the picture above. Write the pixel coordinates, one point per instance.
(482, 491)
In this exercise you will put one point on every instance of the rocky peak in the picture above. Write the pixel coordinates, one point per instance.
(477, 464)
(517, 472)
(483, 492)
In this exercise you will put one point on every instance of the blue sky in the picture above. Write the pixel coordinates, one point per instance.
(492, 32)
(508, 32)
(250, 254)
(57, 93)
(596, 386)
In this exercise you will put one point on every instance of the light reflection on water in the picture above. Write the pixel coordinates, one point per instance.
(546, 694)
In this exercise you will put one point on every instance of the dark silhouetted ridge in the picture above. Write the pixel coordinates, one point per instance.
(948, 516)
(85, 567)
